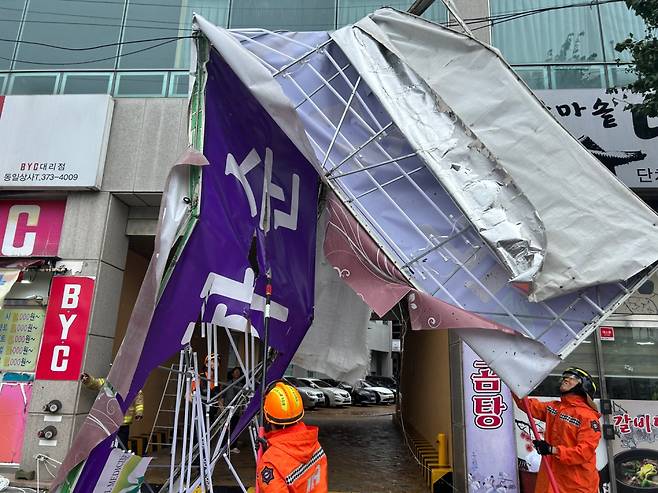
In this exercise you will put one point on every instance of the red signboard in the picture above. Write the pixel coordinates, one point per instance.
(65, 328)
(607, 333)
(30, 228)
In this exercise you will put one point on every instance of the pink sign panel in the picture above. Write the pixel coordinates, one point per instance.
(14, 403)
(30, 228)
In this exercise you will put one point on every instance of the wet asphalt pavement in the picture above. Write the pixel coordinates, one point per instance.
(367, 453)
(365, 450)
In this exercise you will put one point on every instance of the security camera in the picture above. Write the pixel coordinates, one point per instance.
(53, 406)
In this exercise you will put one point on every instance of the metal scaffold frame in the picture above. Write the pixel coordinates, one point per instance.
(202, 434)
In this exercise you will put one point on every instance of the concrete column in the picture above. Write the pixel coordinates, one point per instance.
(94, 233)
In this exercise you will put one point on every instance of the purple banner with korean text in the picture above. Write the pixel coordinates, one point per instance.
(254, 172)
(488, 419)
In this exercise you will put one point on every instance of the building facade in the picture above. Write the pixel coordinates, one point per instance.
(137, 54)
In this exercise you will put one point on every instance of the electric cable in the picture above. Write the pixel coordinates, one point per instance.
(91, 61)
(488, 20)
(96, 47)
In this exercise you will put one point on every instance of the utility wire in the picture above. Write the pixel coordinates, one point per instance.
(92, 61)
(487, 22)
(96, 47)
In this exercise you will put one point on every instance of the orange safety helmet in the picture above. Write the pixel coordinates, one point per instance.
(283, 404)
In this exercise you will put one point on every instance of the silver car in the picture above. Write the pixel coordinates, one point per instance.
(311, 397)
(333, 395)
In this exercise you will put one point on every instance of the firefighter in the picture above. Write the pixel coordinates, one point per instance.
(293, 460)
(135, 411)
(571, 437)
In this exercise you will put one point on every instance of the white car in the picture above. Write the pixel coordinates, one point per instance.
(384, 395)
(310, 396)
(333, 395)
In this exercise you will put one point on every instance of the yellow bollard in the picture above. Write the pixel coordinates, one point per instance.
(442, 448)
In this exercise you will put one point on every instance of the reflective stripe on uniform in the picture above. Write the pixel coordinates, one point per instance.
(299, 471)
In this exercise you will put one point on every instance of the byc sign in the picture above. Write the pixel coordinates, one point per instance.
(65, 328)
(30, 228)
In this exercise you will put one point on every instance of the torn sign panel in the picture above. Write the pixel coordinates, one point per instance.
(416, 225)
(248, 154)
(558, 176)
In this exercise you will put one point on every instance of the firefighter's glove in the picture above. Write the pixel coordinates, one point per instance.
(543, 447)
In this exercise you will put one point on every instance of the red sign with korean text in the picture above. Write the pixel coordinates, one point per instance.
(65, 328)
(607, 333)
(30, 228)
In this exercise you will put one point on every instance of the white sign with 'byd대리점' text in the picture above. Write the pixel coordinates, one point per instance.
(54, 142)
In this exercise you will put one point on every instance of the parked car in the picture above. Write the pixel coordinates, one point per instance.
(379, 381)
(333, 395)
(386, 382)
(384, 395)
(363, 396)
(311, 397)
(359, 395)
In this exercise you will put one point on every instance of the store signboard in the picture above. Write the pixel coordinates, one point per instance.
(488, 419)
(607, 333)
(20, 336)
(626, 144)
(30, 228)
(65, 329)
(54, 142)
(636, 443)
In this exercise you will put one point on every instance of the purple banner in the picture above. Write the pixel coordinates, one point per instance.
(248, 155)
(488, 419)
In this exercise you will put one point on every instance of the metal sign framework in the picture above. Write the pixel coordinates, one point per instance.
(368, 162)
(204, 441)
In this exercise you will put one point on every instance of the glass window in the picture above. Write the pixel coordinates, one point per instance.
(215, 11)
(350, 11)
(153, 19)
(631, 363)
(11, 12)
(582, 77)
(75, 24)
(23, 84)
(3, 82)
(141, 85)
(620, 76)
(179, 85)
(558, 36)
(90, 83)
(618, 22)
(535, 77)
(287, 15)
(584, 356)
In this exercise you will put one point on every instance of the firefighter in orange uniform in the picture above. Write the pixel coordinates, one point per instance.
(572, 435)
(294, 461)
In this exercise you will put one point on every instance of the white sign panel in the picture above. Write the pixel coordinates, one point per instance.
(626, 144)
(55, 142)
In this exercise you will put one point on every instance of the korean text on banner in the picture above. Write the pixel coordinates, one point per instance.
(488, 418)
(65, 328)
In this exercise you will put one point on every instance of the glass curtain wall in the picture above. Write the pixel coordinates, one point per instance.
(130, 47)
(566, 47)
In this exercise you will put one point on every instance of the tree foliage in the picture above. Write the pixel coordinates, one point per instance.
(644, 53)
